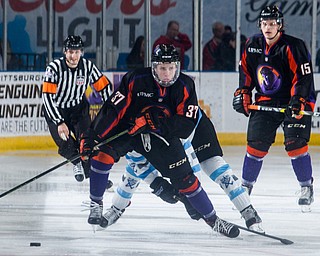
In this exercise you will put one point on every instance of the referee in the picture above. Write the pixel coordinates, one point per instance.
(65, 104)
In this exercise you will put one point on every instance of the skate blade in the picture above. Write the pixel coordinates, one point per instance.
(305, 208)
(257, 227)
(94, 228)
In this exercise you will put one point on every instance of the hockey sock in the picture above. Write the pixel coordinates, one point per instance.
(221, 173)
(124, 192)
(98, 180)
(303, 169)
(251, 168)
(199, 199)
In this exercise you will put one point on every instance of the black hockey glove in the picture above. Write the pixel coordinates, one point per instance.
(193, 213)
(295, 105)
(87, 144)
(163, 189)
(241, 101)
(148, 121)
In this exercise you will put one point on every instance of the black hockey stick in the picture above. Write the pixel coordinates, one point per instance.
(281, 110)
(187, 204)
(61, 164)
(282, 240)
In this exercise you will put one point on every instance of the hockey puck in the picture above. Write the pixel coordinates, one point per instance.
(35, 244)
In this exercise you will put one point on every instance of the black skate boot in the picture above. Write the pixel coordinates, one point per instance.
(95, 215)
(223, 227)
(253, 221)
(111, 216)
(306, 198)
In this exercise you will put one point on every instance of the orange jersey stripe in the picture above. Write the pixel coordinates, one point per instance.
(298, 152)
(180, 107)
(293, 67)
(49, 87)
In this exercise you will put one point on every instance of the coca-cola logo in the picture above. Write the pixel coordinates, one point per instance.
(127, 7)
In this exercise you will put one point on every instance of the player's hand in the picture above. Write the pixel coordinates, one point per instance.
(148, 121)
(87, 144)
(294, 107)
(241, 101)
(163, 189)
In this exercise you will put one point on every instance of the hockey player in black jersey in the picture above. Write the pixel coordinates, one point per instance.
(278, 67)
(137, 105)
(65, 106)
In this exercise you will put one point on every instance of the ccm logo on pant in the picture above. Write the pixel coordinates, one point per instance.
(180, 162)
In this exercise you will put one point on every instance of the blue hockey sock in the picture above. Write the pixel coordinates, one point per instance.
(251, 168)
(303, 169)
(201, 202)
(98, 180)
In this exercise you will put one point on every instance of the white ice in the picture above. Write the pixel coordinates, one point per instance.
(49, 211)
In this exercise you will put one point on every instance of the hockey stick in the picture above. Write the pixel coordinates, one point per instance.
(61, 164)
(282, 110)
(282, 240)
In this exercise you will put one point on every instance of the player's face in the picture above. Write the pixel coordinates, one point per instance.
(269, 29)
(166, 71)
(73, 57)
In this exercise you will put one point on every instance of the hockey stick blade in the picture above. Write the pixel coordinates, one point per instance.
(61, 164)
(281, 110)
(282, 240)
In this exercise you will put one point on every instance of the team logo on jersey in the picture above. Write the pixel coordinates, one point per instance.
(49, 73)
(145, 94)
(269, 79)
(80, 80)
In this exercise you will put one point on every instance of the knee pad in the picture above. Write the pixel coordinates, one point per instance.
(221, 173)
(296, 146)
(258, 149)
(125, 190)
(187, 184)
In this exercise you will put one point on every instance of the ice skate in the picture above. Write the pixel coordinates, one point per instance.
(306, 198)
(253, 221)
(95, 215)
(78, 172)
(111, 216)
(223, 227)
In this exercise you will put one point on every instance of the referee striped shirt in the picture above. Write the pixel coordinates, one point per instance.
(64, 87)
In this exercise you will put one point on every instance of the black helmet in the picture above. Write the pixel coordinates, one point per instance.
(271, 13)
(165, 53)
(162, 54)
(73, 42)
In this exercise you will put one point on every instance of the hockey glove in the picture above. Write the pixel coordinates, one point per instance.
(87, 144)
(148, 121)
(163, 189)
(294, 107)
(241, 101)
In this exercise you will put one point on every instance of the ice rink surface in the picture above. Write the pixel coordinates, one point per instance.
(49, 211)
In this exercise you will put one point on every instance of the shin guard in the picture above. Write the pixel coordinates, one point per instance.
(221, 173)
